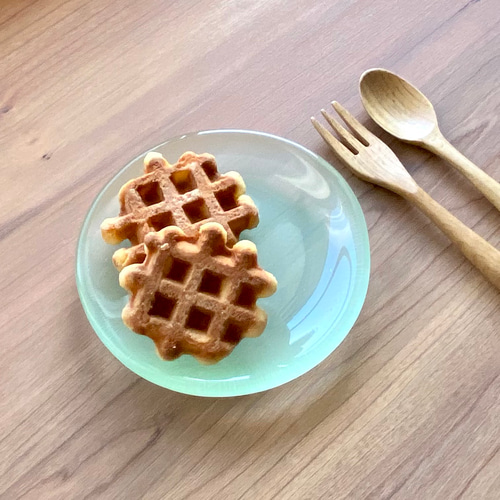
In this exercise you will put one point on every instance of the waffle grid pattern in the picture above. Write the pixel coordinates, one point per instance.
(196, 296)
(188, 194)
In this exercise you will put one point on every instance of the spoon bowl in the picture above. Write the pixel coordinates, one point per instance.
(403, 111)
(397, 106)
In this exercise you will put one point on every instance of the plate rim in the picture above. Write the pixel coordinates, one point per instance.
(358, 295)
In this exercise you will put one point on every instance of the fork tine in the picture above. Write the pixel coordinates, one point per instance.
(338, 148)
(350, 140)
(353, 124)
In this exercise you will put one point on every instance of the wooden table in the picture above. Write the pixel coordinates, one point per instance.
(407, 407)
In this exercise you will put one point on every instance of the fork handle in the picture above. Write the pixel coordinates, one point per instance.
(436, 143)
(479, 252)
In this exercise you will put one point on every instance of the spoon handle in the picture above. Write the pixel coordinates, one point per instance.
(483, 182)
(479, 252)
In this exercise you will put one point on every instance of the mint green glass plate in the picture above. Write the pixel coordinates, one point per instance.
(312, 236)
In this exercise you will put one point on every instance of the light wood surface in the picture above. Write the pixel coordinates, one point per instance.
(490, 188)
(408, 407)
(372, 160)
(402, 110)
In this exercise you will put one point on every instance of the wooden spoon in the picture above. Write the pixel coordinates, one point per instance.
(403, 111)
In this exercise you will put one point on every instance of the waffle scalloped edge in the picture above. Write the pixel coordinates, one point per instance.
(187, 194)
(196, 295)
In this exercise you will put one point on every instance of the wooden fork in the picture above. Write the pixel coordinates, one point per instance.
(372, 160)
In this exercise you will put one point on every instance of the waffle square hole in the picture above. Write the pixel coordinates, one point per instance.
(196, 210)
(161, 220)
(183, 180)
(232, 332)
(210, 168)
(131, 233)
(246, 297)
(150, 193)
(199, 319)
(162, 306)
(211, 283)
(176, 270)
(227, 198)
(239, 225)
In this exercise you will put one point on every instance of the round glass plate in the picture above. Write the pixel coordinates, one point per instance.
(312, 236)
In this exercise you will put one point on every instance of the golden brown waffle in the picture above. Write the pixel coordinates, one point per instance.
(195, 295)
(188, 194)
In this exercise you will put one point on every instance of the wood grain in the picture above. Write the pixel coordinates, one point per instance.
(407, 407)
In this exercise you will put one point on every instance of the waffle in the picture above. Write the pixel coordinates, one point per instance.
(195, 295)
(187, 194)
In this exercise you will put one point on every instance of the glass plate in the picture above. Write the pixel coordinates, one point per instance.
(312, 236)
